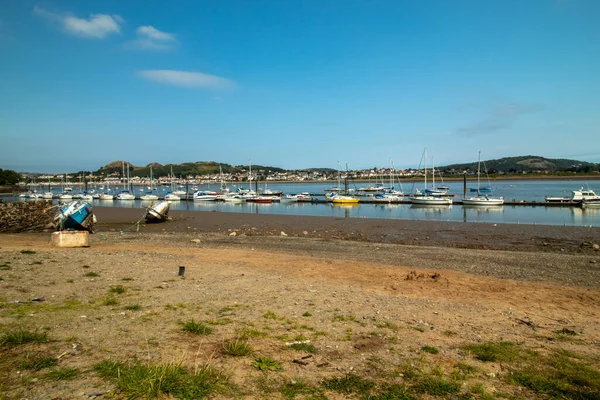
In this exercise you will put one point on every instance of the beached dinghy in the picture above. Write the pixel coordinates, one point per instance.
(75, 215)
(158, 212)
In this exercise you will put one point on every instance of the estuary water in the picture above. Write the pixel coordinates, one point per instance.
(515, 190)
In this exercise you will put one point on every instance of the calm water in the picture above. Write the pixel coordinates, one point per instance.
(517, 190)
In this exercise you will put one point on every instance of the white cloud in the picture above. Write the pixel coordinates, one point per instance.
(152, 33)
(150, 38)
(196, 80)
(97, 26)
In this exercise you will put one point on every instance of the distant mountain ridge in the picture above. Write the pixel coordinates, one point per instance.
(509, 165)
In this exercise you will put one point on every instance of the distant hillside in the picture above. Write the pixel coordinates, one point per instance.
(512, 165)
(185, 169)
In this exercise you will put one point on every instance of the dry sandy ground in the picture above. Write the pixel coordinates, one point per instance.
(368, 307)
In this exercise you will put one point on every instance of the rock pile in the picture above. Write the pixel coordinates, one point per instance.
(35, 216)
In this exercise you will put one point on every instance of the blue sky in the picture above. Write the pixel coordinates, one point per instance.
(296, 84)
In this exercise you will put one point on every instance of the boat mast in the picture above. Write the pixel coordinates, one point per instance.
(425, 166)
(478, 171)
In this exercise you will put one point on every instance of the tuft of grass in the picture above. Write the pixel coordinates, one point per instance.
(27, 251)
(63, 374)
(5, 267)
(266, 364)
(148, 381)
(20, 336)
(91, 274)
(236, 348)
(492, 352)
(349, 384)
(85, 266)
(430, 349)
(133, 307)
(37, 263)
(436, 386)
(37, 363)
(306, 347)
(196, 328)
(126, 279)
(307, 314)
(220, 321)
(118, 289)
(566, 332)
(270, 315)
(110, 301)
(247, 333)
(392, 392)
(300, 387)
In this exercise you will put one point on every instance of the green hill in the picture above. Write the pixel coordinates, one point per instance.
(520, 164)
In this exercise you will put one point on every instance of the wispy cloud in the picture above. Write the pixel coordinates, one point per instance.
(497, 118)
(196, 80)
(97, 26)
(150, 38)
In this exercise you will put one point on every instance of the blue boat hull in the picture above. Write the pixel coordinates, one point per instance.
(76, 215)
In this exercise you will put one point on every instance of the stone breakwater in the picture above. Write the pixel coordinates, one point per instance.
(35, 216)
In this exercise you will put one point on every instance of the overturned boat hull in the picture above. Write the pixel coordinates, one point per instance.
(157, 212)
(76, 215)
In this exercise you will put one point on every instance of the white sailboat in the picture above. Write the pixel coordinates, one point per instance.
(171, 196)
(125, 193)
(150, 196)
(429, 199)
(482, 199)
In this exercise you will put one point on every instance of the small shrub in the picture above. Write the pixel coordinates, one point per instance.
(236, 348)
(27, 251)
(307, 314)
(63, 374)
(266, 364)
(196, 328)
(430, 349)
(21, 336)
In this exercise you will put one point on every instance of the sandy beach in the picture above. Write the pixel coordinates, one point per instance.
(344, 308)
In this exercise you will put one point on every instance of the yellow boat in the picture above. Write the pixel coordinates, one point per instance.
(340, 199)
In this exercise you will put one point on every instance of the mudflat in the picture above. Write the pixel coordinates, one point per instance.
(302, 307)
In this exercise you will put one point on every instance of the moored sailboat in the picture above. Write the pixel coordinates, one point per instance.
(482, 199)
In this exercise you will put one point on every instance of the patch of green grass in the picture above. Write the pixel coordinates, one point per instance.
(159, 380)
(392, 392)
(387, 324)
(306, 347)
(266, 364)
(300, 387)
(559, 376)
(247, 333)
(5, 267)
(118, 289)
(463, 371)
(492, 352)
(133, 307)
(22, 336)
(27, 251)
(307, 314)
(436, 386)
(196, 328)
(63, 374)
(349, 384)
(343, 318)
(236, 348)
(270, 315)
(110, 301)
(91, 274)
(430, 349)
(126, 279)
(37, 362)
